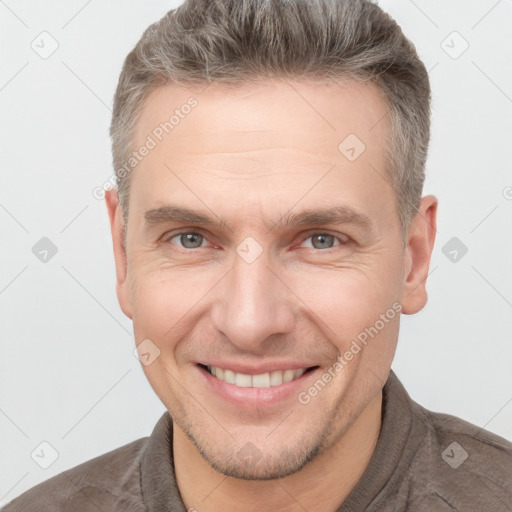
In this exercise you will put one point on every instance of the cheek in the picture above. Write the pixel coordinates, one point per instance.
(342, 302)
(162, 305)
(347, 300)
(163, 300)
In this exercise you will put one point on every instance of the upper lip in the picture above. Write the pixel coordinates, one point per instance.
(252, 369)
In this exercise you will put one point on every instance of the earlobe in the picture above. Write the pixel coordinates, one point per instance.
(120, 256)
(420, 243)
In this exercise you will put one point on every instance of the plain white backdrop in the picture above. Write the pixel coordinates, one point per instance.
(68, 376)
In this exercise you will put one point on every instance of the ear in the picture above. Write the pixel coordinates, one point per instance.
(420, 242)
(116, 227)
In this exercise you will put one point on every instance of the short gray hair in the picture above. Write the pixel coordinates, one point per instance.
(245, 41)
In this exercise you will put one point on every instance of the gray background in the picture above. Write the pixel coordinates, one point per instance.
(68, 376)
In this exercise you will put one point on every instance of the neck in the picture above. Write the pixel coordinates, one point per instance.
(323, 484)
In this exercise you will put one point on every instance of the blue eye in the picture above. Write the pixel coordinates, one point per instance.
(319, 241)
(189, 240)
(324, 241)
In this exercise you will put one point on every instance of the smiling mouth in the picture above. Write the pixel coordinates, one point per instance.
(262, 380)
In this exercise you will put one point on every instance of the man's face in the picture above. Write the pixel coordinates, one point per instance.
(254, 292)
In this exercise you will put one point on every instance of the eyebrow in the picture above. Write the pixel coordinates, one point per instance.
(318, 216)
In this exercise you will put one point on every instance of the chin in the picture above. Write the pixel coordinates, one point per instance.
(269, 467)
(253, 463)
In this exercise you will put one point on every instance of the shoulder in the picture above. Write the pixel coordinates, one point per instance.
(466, 466)
(110, 481)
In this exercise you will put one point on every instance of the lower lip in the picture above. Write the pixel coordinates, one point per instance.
(250, 398)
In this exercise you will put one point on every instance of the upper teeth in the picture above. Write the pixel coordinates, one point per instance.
(263, 380)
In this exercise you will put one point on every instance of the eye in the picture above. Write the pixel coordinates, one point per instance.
(188, 240)
(319, 241)
(325, 241)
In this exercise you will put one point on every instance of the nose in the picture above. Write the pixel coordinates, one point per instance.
(253, 305)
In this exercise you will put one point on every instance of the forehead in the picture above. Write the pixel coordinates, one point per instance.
(304, 110)
(262, 144)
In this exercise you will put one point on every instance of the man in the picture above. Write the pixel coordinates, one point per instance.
(268, 231)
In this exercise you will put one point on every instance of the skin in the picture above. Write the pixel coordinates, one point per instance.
(249, 156)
